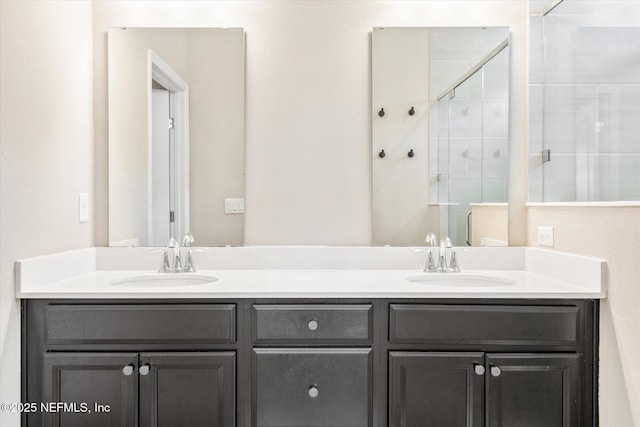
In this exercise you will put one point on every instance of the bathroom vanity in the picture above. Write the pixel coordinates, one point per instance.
(340, 347)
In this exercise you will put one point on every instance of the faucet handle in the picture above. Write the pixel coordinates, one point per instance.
(188, 263)
(188, 240)
(430, 267)
(165, 260)
(431, 239)
(453, 264)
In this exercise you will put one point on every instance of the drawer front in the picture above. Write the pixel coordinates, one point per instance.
(517, 325)
(312, 387)
(140, 323)
(306, 323)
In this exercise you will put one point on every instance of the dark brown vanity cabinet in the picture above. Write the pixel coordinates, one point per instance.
(131, 364)
(114, 389)
(312, 363)
(464, 389)
(494, 365)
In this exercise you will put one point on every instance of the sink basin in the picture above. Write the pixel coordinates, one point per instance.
(459, 279)
(165, 279)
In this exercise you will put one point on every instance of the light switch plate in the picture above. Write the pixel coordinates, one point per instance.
(234, 206)
(545, 236)
(83, 207)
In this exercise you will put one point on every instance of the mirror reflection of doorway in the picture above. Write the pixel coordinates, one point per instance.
(168, 153)
(162, 173)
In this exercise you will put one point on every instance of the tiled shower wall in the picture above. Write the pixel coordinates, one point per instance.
(585, 102)
(469, 132)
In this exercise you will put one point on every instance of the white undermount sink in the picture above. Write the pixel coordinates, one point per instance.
(164, 280)
(460, 280)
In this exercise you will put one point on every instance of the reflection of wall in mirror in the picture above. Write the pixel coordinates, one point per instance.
(212, 62)
(489, 224)
(400, 80)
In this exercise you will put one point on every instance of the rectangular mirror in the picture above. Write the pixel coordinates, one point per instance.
(440, 135)
(176, 135)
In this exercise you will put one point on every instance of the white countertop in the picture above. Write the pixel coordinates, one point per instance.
(344, 273)
(310, 284)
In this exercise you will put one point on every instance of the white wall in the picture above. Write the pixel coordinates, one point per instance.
(45, 150)
(613, 234)
(308, 120)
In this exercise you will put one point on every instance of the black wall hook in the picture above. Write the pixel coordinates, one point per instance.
(411, 153)
(381, 112)
(381, 154)
(412, 111)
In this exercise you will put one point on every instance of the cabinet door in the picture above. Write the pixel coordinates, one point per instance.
(312, 388)
(436, 389)
(187, 389)
(95, 389)
(533, 390)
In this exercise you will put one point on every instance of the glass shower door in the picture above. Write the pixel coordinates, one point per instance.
(473, 146)
(465, 155)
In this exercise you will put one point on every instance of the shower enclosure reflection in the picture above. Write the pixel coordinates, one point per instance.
(584, 95)
(469, 165)
(456, 81)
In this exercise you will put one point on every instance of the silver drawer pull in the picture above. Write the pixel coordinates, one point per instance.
(495, 371)
(127, 370)
(479, 369)
(144, 369)
(313, 391)
(312, 325)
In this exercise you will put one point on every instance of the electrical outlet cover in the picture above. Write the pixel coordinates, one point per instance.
(545, 236)
(83, 207)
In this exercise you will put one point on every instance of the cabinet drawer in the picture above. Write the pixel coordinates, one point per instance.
(319, 324)
(312, 387)
(501, 325)
(69, 324)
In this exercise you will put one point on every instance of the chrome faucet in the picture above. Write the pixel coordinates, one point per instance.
(443, 266)
(177, 266)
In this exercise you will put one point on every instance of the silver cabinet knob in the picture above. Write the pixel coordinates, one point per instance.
(144, 369)
(312, 325)
(127, 370)
(495, 371)
(479, 369)
(313, 391)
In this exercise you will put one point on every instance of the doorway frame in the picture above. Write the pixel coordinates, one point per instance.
(161, 72)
